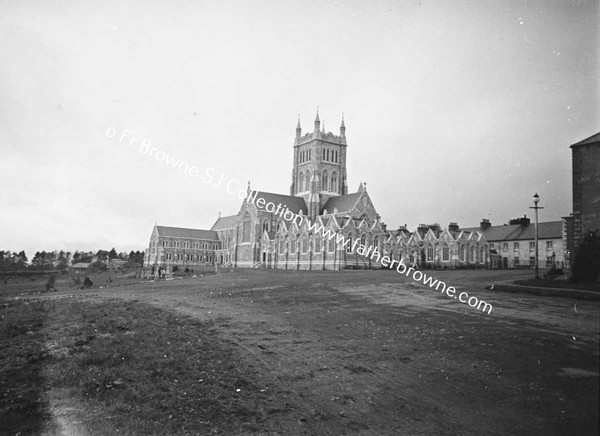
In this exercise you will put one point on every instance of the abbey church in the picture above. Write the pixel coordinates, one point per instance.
(257, 238)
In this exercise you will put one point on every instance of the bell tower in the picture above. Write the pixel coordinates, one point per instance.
(319, 170)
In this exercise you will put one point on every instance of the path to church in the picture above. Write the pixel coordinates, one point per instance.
(365, 352)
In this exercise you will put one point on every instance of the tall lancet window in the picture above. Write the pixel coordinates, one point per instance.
(333, 182)
(301, 182)
(324, 181)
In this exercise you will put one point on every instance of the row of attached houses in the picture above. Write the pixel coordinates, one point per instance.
(296, 247)
(513, 245)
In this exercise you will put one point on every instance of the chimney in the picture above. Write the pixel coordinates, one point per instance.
(453, 227)
(485, 224)
(422, 228)
(520, 221)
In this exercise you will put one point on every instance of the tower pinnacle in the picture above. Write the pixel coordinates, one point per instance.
(298, 128)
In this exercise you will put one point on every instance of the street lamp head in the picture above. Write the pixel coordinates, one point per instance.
(536, 198)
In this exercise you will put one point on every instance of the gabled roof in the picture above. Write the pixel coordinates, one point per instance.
(594, 139)
(343, 203)
(294, 204)
(225, 222)
(516, 232)
(178, 232)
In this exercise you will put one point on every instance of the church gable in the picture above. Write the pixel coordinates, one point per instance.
(358, 205)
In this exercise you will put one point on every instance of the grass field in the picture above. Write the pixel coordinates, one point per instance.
(287, 352)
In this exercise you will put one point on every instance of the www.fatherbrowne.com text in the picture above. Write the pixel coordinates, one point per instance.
(371, 252)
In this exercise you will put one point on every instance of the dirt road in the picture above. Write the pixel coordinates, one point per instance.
(367, 352)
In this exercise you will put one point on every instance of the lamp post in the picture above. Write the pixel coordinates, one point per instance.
(536, 200)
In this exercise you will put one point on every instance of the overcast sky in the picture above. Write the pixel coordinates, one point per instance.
(455, 110)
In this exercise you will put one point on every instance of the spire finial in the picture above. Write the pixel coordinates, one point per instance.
(298, 125)
(343, 124)
(317, 122)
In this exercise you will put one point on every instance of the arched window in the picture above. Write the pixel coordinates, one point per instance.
(461, 253)
(362, 240)
(317, 245)
(349, 243)
(309, 153)
(482, 254)
(323, 154)
(445, 253)
(429, 252)
(301, 182)
(331, 247)
(333, 182)
(327, 154)
(304, 245)
(265, 225)
(472, 254)
(324, 181)
(293, 245)
(335, 156)
(282, 246)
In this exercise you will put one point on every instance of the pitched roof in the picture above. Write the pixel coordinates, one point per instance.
(178, 232)
(343, 203)
(294, 204)
(591, 140)
(225, 222)
(516, 232)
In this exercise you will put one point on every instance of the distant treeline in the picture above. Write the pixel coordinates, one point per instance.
(60, 260)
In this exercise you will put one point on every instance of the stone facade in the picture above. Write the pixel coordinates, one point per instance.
(184, 248)
(331, 229)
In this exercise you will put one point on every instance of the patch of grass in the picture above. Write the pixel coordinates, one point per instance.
(23, 408)
(146, 371)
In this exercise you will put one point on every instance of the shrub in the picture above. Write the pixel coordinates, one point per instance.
(175, 268)
(186, 269)
(50, 283)
(87, 282)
